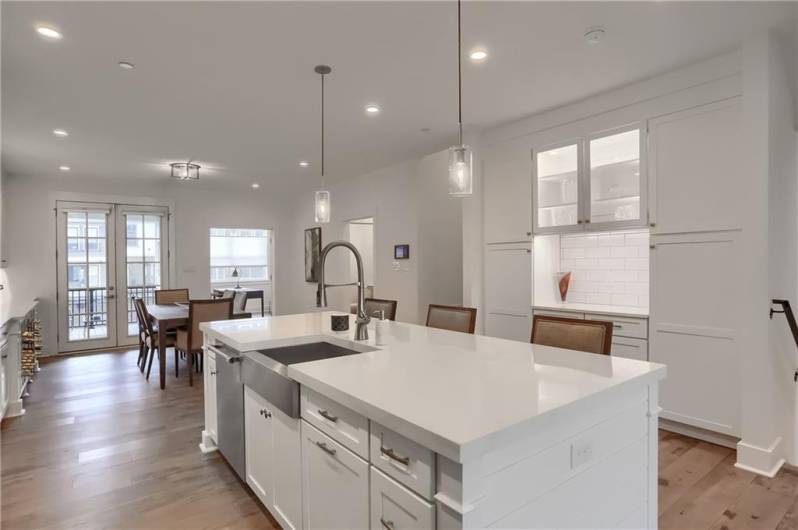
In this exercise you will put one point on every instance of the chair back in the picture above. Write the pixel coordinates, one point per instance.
(453, 318)
(145, 325)
(593, 336)
(228, 294)
(374, 305)
(239, 301)
(206, 311)
(171, 296)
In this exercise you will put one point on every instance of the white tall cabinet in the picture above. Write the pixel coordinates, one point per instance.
(696, 198)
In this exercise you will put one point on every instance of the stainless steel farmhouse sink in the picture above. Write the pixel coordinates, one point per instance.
(264, 371)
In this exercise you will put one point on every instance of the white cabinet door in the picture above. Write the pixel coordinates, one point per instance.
(694, 323)
(259, 440)
(508, 192)
(335, 484)
(508, 291)
(209, 386)
(394, 507)
(694, 166)
(287, 470)
(558, 188)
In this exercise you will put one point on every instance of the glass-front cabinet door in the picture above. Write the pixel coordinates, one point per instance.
(556, 188)
(616, 194)
(590, 183)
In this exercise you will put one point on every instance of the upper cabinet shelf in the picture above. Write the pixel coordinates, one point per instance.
(598, 182)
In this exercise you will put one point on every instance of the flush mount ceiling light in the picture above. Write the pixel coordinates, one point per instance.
(48, 32)
(185, 170)
(594, 35)
(321, 200)
(124, 65)
(372, 109)
(60, 132)
(303, 164)
(64, 168)
(478, 55)
(460, 154)
(255, 186)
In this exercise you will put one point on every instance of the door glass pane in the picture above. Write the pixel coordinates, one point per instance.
(143, 235)
(615, 177)
(557, 174)
(87, 275)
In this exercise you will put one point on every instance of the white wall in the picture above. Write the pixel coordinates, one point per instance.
(410, 204)
(30, 232)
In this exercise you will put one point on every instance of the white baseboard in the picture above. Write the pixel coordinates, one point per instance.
(761, 460)
(698, 433)
(207, 445)
(14, 409)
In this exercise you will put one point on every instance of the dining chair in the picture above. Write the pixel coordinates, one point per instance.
(171, 296)
(240, 305)
(374, 305)
(189, 338)
(452, 318)
(150, 336)
(592, 336)
(143, 348)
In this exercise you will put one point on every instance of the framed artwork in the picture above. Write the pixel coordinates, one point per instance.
(312, 254)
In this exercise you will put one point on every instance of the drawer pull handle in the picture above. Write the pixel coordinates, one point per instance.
(388, 525)
(327, 415)
(323, 447)
(617, 326)
(390, 453)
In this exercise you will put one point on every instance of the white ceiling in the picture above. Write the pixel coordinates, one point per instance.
(231, 85)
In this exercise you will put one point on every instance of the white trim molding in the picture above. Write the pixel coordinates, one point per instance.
(760, 460)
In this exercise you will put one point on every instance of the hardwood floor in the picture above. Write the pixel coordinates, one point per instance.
(100, 447)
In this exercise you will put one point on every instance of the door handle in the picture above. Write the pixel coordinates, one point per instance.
(328, 416)
(323, 447)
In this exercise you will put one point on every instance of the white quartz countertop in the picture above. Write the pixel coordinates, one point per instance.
(614, 310)
(452, 392)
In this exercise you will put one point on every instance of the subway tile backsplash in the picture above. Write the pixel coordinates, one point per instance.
(608, 269)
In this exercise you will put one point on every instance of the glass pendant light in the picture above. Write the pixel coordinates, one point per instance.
(460, 166)
(322, 197)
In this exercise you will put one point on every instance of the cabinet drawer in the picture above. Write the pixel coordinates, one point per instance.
(403, 459)
(335, 483)
(624, 326)
(394, 507)
(630, 348)
(561, 314)
(343, 425)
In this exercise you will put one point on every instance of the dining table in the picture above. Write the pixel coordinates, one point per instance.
(167, 317)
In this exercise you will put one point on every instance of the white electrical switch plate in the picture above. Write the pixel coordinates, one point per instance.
(581, 453)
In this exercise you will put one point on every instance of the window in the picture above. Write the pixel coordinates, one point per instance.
(244, 249)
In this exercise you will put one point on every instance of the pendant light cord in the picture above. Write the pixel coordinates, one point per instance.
(459, 77)
(322, 130)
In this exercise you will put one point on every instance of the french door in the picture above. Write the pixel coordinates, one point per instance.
(107, 255)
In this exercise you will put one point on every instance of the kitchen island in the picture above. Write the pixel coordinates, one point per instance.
(427, 428)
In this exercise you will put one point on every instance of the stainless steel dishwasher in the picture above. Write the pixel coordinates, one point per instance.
(230, 409)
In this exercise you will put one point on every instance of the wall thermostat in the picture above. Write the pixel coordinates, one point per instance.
(401, 252)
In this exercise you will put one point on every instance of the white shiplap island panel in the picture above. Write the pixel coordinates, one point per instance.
(525, 435)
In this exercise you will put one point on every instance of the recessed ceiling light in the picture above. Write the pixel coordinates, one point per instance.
(124, 65)
(372, 108)
(60, 132)
(255, 185)
(594, 35)
(65, 168)
(303, 164)
(478, 55)
(48, 33)
(425, 129)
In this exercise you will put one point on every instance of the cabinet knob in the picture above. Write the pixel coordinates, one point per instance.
(652, 247)
(652, 225)
(265, 413)
(529, 233)
(579, 222)
(213, 372)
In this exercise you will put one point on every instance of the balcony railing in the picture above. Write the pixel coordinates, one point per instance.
(88, 307)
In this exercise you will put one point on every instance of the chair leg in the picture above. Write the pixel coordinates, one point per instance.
(176, 361)
(149, 364)
(145, 350)
(190, 357)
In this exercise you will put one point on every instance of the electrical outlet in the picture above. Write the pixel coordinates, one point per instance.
(581, 453)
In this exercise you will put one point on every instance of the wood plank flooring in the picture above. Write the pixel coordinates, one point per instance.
(100, 447)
